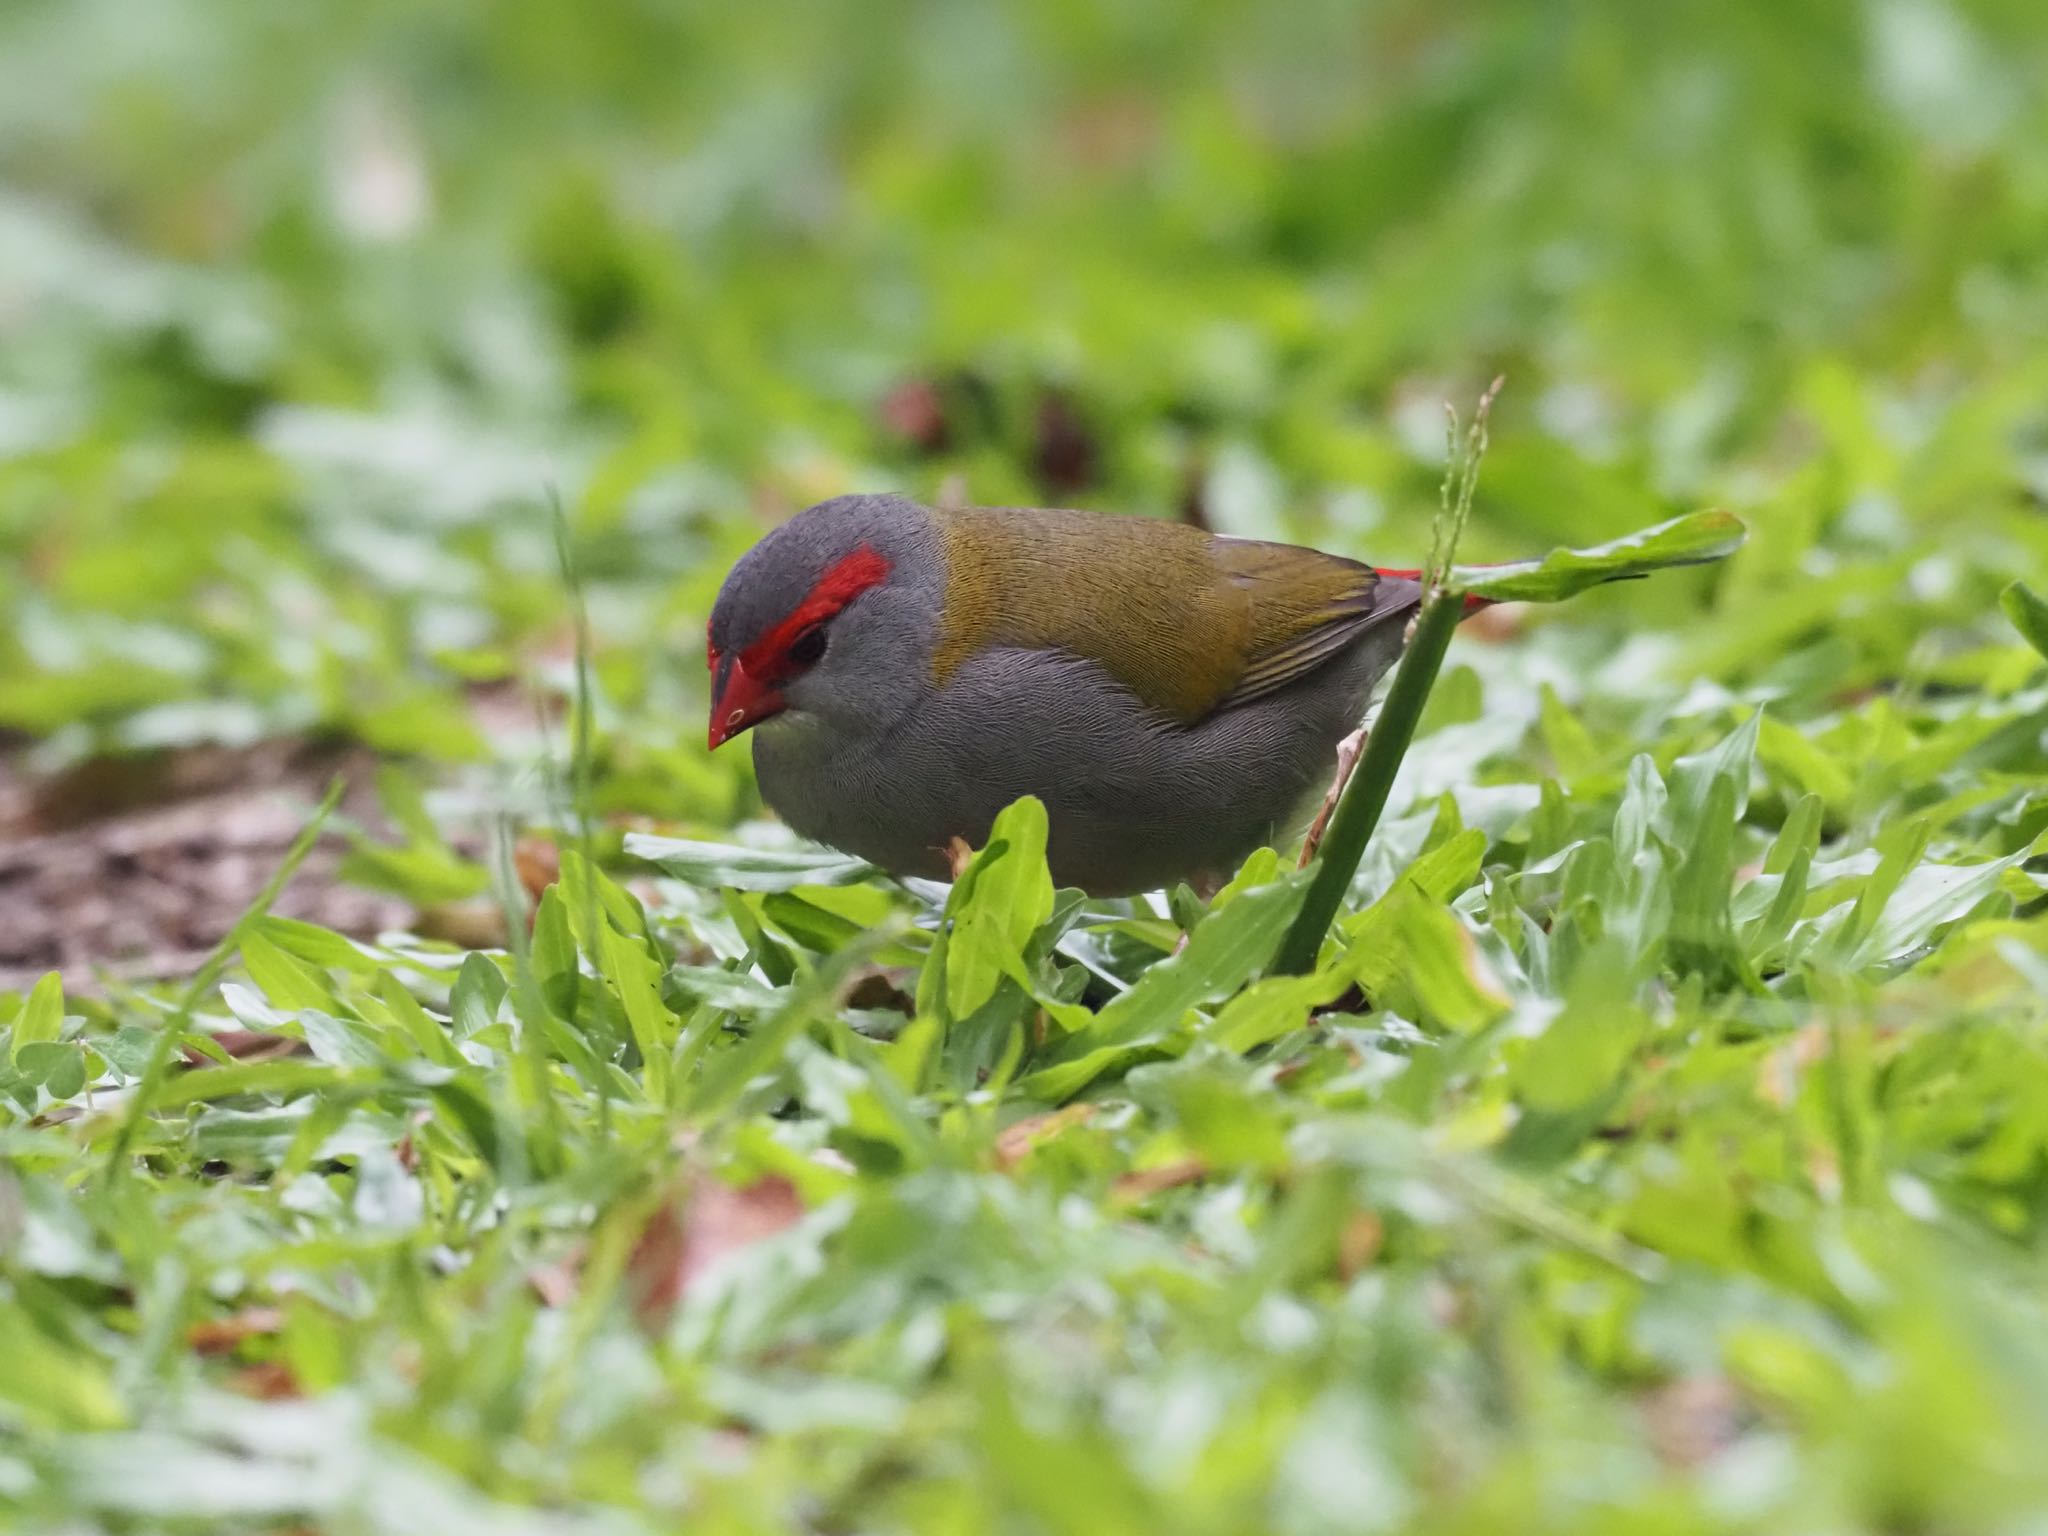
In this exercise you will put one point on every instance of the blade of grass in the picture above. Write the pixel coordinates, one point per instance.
(1365, 797)
(147, 1085)
(2028, 613)
(1699, 538)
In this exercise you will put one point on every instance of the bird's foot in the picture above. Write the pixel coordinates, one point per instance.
(957, 855)
(1348, 751)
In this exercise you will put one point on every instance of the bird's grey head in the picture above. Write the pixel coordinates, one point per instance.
(830, 620)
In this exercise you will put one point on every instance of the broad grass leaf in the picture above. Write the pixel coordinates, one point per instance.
(1692, 780)
(1578, 1053)
(636, 975)
(746, 869)
(1409, 952)
(1924, 899)
(553, 950)
(724, 1076)
(50, 1384)
(1448, 868)
(321, 948)
(1702, 932)
(287, 981)
(1000, 900)
(1794, 755)
(41, 1019)
(340, 1042)
(729, 991)
(57, 1065)
(1409, 937)
(1697, 539)
(590, 896)
(816, 928)
(428, 1034)
(285, 1078)
(1272, 1007)
(1765, 909)
(1440, 873)
(1570, 744)
(2028, 613)
(1643, 802)
(479, 989)
(1226, 949)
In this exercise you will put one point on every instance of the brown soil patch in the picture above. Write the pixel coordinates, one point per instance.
(134, 867)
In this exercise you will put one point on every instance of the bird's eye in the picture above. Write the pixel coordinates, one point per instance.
(808, 648)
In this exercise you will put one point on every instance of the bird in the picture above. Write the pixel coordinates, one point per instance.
(1174, 697)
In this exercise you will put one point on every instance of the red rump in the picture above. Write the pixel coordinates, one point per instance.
(1472, 604)
(840, 585)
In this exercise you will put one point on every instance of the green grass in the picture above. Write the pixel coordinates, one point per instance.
(1659, 1144)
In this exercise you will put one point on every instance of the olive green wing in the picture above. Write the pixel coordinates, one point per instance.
(1139, 596)
(1304, 608)
(1189, 622)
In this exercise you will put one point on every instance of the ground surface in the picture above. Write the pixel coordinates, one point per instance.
(1661, 1143)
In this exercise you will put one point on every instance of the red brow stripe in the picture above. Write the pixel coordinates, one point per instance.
(839, 586)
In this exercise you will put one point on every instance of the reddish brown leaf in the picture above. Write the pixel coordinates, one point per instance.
(224, 1335)
(539, 863)
(478, 923)
(247, 1045)
(708, 1221)
(1692, 1420)
(555, 1284)
(269, 1381)
(1494, 625)
(1143, 1183)
(879, 988)
(1017, 1141)
(1359, 1243)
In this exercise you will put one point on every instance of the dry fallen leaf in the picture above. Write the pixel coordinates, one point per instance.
(1358, 1244)
(1143, 1183)
(1692, 1420)
(704, 1223)
(247, 1045)
(270, 1381)
(1015, 1142)
(223, 1335)
(878, 987)
(555, 1284)
(539, 863)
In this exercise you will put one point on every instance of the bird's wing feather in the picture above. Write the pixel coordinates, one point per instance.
(1189, 622)
(1138, 596)
(1306, 607)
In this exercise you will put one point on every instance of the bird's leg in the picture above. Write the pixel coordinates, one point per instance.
(1348, 751)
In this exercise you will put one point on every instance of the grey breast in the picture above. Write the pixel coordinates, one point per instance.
(1136, 801)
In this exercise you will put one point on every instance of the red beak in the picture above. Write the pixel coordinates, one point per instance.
(740, 701)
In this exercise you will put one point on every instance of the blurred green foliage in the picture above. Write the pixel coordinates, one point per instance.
(1689, 1171)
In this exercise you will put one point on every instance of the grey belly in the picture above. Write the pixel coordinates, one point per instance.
(1135, 801)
